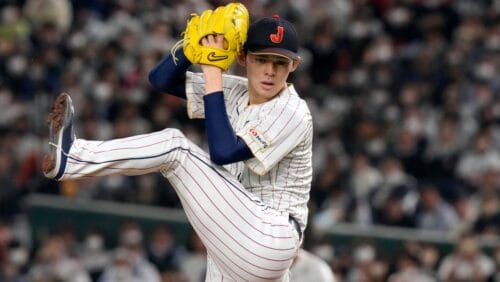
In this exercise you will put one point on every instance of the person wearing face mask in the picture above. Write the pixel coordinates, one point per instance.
(310, 267)
(120, 268)
(466, 263)
(54, 263)
(94, 256)
(162, 250)
(129, 262)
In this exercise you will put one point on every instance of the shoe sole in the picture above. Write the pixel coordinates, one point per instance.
(51, 164)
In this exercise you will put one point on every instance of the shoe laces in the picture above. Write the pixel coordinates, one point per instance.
(59, 148)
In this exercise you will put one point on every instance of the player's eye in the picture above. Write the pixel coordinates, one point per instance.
(261, 60)
(282, 63)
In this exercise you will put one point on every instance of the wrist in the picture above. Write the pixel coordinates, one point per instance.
(213, 79)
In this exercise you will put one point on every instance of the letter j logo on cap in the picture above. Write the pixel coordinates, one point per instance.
(278, 36)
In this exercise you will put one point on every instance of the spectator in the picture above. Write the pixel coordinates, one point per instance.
(408, 269)
(309, 267)
(121, 268)
(94, 255)
(193, 265)
(363, 180)
(466, 263)
(433, 212)
(334, 210)
(162, 249)
(392, 213)
(52, 263)
(487, 224)
(323, 50)
(55, 12)
(479, 159)
(429, 257)
(129, 262)
(444, 147)
(395, 181)
(409, 146)
(16, 263)
(366, 265)
(328, 181)
(466, 212)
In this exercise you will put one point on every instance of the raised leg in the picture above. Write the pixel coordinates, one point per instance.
(245, 239)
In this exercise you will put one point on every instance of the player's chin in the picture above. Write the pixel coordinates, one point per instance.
(269, 90)
(260, 97)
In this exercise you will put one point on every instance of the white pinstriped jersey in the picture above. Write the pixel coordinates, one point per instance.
(279, 134)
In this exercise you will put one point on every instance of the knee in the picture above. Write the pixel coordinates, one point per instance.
(177, 146)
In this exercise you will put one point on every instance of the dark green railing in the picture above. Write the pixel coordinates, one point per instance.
(49, 212)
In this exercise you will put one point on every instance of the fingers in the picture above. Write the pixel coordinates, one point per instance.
(219, 38)
(213, 40)
(204, 41)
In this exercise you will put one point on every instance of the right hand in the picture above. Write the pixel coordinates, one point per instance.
(213, 74)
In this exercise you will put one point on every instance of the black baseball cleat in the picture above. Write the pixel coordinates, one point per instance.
(61, 137)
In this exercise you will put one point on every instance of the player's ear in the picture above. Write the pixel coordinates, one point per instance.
(242, 59)
(295, 64)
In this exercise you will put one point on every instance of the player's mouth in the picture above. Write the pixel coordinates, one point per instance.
(267, 85)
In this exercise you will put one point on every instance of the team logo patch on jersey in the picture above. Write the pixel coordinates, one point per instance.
(257, 136)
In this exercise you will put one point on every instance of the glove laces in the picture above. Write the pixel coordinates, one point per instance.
(174, 49)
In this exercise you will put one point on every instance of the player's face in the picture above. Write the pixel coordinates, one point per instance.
(267, 75)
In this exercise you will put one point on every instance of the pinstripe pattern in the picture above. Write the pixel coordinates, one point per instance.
(240, 211)
(124, 156)
(245, 238)
(235, 243)
(281, 173)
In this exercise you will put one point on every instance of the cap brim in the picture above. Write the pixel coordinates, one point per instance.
(276, 51)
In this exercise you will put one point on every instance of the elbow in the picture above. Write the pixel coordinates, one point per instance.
(220, 158)
(155, 81)
(218, 161)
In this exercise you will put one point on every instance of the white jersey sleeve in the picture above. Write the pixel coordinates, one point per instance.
(195, 89)
(233, 87)
(276, 129)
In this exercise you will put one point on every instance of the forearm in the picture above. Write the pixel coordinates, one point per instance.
(224, 145)
(169, 76)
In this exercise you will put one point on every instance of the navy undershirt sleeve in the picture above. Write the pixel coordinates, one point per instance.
(225, 146)
(169, 77)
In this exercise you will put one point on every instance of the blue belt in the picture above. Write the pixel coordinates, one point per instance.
(295, 224)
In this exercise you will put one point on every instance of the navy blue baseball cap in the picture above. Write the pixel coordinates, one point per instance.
(274, 36)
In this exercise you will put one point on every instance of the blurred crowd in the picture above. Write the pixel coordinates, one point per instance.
(405, 102)
(63, 256)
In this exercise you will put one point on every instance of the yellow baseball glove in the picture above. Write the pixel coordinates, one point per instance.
(231, 20)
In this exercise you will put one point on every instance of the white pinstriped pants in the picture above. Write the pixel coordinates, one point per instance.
(245, 239)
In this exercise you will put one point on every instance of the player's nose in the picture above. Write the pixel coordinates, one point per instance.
(270, 68)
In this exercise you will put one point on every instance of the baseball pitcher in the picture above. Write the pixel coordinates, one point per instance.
(246, 198)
